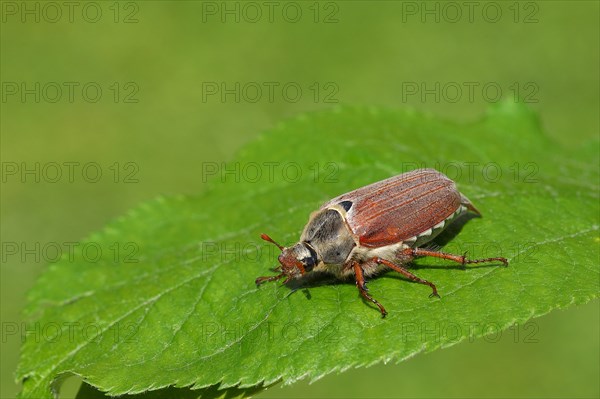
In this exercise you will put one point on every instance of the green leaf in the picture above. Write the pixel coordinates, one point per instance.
(187, 313)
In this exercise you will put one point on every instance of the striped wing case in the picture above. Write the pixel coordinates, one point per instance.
(401, 207)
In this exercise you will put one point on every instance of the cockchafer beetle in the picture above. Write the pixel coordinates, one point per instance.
(380, 226)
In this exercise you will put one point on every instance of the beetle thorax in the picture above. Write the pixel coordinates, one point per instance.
(329, 235)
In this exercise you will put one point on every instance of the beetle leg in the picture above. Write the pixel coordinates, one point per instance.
(362, 288)
(406, 273)
(456, 258)
(261, 280)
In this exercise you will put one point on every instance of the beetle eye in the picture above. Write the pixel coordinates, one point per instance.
(308, 263)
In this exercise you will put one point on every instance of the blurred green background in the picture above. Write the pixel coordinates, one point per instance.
(154, 61)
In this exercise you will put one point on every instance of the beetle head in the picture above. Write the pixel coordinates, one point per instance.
(294, 261)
